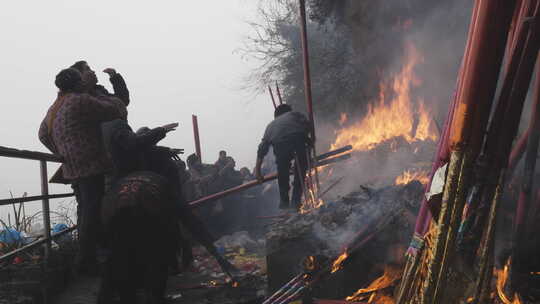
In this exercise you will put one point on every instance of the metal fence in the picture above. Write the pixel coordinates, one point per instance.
(43, 158)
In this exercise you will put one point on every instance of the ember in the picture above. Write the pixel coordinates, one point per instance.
(339, 261)
(394, 114)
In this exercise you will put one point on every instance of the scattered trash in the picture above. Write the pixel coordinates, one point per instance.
(11, 236)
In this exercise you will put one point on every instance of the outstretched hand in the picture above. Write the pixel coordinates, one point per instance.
(175, 152)
(170, 127)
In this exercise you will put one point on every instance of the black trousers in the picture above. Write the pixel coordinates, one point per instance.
(89, 193)
(286, 152)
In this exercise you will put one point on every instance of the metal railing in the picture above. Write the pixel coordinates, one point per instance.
(43, 158)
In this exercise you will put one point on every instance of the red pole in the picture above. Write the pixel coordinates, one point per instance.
(307, 76)
(272, 96)
(196, 136)
(307, 80)
(525, 197)
(279, 94)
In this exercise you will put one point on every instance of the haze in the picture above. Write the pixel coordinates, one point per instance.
(176, 56)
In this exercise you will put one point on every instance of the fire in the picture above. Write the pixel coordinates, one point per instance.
(390, 276)
(339, 261)
(311, 200)
(409, 175)
(343, 118)
(309, 263)
(393, 115)
(502, 277)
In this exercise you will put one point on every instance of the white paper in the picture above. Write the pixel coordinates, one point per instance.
(437, 185)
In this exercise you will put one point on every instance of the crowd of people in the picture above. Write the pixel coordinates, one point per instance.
(87, 125)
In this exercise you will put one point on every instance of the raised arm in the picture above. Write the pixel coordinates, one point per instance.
(119, 85)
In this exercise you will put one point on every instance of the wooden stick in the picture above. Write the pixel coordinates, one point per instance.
(248, 185)
(331, 186)
(196, 136)
(335, 152)
(279, 94)
(272, 96)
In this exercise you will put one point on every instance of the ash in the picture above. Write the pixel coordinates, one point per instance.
(333, 226)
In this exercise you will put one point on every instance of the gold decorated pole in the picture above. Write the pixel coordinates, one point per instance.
(474, 100)
(486, 250)
(442, 226)
(455, 220)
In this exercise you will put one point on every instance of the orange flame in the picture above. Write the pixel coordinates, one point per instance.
(409, 175)
(311, 201)
(393, 115)
(343, 118)
(390, 276)
(502, 277)
(339, 261)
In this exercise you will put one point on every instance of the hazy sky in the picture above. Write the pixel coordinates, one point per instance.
(176, 56)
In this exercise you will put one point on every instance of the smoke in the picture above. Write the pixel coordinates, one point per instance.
(354, 46)
(380, 33)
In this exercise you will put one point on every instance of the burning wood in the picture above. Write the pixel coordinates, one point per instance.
(366, 221)
(502, 278)
(388, 279)
(338, 263)
(393, 115)
(410, 175)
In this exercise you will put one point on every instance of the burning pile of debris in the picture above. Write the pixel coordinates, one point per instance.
(368, 228)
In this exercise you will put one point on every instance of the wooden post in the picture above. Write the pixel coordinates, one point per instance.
(196, 136)
(45, 207)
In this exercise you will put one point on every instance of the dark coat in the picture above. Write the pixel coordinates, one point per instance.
(125, 148)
